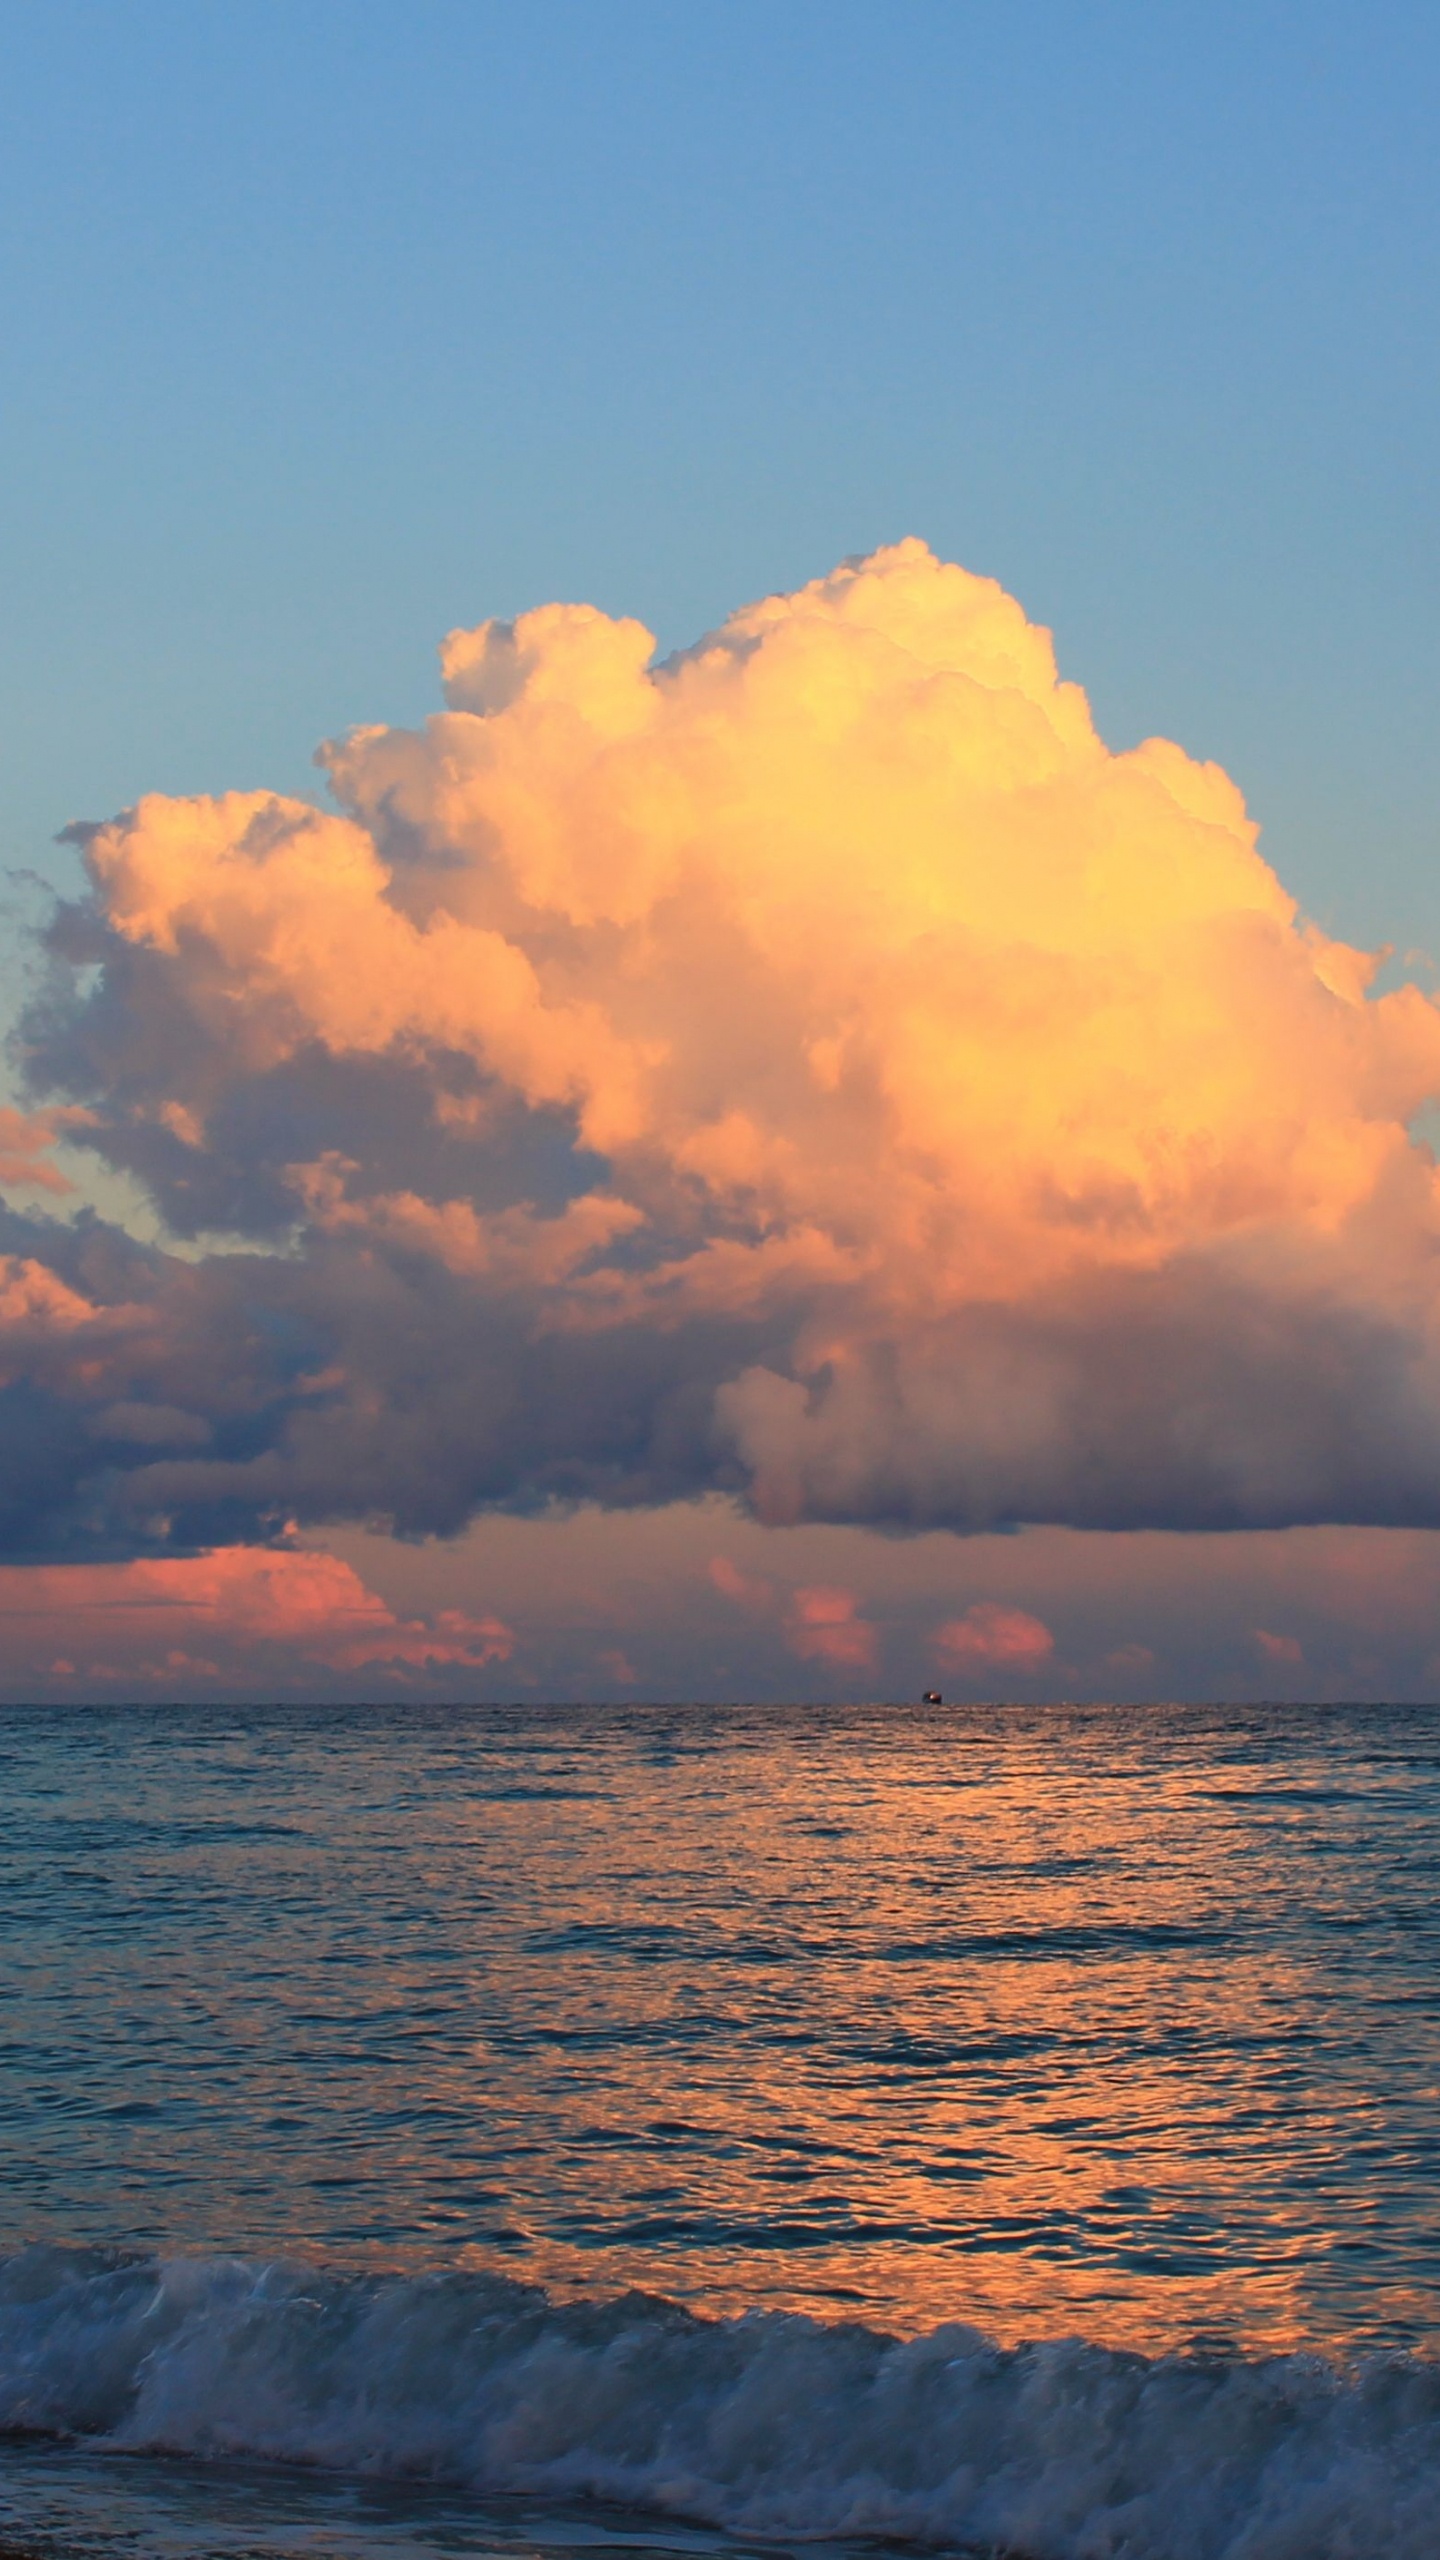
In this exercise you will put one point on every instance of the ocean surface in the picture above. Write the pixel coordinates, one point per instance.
(521, 2130)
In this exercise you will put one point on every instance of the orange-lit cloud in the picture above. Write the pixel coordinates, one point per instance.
(25, 1145)
(819, 1622)
(750, 1590)
(219, 1618)
(616, 1603)
(823, 1624)
(1005, 1639)
(1136, 1615)
(817, 1067)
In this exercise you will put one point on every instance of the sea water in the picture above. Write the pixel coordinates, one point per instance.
(468, 2129)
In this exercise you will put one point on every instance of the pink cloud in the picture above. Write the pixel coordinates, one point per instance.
(1279, 1648)
(178, 1619)
(992, 1636)
(747, 1590)
(822, 1626)
(25, 1143)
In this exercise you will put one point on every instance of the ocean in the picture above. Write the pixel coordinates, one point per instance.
(692, 2129)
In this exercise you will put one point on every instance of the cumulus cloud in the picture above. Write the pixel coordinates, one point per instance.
(25, 1145)
(815, 1067)
(823, 1624)
(222, 1618)
(818, 1621)
(1005, 1639)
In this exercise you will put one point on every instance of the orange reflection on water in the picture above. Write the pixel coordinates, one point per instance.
(1039, 2020)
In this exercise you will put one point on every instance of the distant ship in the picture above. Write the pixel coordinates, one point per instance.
(931, 1698)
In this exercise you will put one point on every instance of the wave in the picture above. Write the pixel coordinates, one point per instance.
(770, 2425)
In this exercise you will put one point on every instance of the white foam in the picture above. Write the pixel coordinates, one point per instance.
(771, 2424)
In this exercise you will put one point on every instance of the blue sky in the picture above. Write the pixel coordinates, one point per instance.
(326, 327)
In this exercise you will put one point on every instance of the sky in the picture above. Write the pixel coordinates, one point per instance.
(809, 1161)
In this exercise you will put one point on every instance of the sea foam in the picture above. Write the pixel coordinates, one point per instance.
(771, 2424)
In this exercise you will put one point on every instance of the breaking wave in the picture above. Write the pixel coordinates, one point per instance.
(771, 2424)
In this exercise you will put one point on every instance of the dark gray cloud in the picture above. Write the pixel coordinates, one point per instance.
(350, 1380)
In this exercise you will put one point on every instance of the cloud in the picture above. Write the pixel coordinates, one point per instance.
(995, 1637)
(1139, 1614)
(25, 1145)
(224, 1617)
(819, 1622)
(750, 1591)
(1279, 1648)
(815, 1068)
(822, 1624)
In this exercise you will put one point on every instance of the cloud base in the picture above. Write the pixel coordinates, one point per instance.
(815, 1069)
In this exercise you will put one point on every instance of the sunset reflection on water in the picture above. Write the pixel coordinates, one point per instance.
(1121, 2022)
